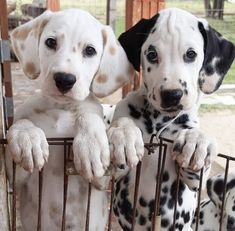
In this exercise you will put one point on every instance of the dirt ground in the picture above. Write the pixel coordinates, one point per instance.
(217, 123)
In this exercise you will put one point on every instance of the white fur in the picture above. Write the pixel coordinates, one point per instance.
(76, 113)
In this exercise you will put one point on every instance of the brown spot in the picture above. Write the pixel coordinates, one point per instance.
(105, 36)
(21, 34)
(102, 78)
(39, 111)
(30, 70)
(112, 50)
(39, 27)
(131, 71)
(120, 79)
(74, 49)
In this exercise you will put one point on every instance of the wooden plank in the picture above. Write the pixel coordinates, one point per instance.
(53, 5)
(5, 78)
(135, 10)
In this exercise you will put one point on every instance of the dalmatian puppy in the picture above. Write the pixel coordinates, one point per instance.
(210, 209)
(181, 57)
(75, 58)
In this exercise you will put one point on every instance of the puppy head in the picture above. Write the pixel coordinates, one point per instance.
(72, 54)
(180, 56)
(215, 187)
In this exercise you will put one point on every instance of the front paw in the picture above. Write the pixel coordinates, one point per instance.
(126, 143)
(27, 145)
(91, 151)
(193, 149)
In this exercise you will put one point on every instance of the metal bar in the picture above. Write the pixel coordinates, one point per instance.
(157, 187)
(137, 182)
(88, 208)
(111, 203)
(224, 193)
(176, 196)
(40, 185)
(65, 192)
(199, 199)
(14, 198)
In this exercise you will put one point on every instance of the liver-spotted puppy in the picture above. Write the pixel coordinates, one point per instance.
(75, 59)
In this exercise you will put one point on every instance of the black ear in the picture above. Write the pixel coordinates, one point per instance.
(219, 54)
(133, 39)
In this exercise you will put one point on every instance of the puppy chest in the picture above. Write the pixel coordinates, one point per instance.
(55, 123)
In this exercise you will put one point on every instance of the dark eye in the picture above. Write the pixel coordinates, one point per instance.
(89, 51)
(152, 55)
(51, 43)
(190, 56)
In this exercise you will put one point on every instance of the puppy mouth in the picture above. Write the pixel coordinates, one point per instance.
(173, 109)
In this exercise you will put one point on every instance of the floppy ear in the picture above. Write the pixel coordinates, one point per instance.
(215, 188)
(133, 39)
(115, 70)
(25, 42)
(219, 54)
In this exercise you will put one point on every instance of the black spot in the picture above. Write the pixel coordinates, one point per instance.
(149, 69)
(155, 114)
(124, 193)
(142, 220)
(142, 202)
(166, 119)
(182, 119)
(165, 223)
(165, 189)
(218, 186)
(153, 30)
(165, 177)
(209, 69)
(134, 112)
(186, 217)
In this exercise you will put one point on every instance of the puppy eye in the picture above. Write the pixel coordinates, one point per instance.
(190, 56)
(51, 43)
(152, 55)
(89, 51)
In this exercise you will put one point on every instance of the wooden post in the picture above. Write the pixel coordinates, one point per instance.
(5, 79)
(53, 5)
(135, 10)
(111, 13)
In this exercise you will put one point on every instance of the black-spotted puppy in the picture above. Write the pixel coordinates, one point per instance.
(210, 209)
(181, 58)
(74, 57)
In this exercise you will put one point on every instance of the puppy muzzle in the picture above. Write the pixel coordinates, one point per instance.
(171, 98)
(64, 81)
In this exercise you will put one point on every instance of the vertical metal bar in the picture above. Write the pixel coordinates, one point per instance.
(14, 198)
(65, 192)
(176, 196)
(88, 208)
(157, 186)
(224, 193)
(137, 182)
(111, 203)
(40, 183)
(199, 199)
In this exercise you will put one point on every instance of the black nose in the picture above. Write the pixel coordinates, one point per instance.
(171, 98)
(64, 81)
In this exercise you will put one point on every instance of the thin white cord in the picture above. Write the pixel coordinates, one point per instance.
(167, 125)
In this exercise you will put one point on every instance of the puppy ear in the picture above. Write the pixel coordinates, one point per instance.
(219, 54)
(25, 42)
(115, 70)
(133, 39)
(215, 188)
